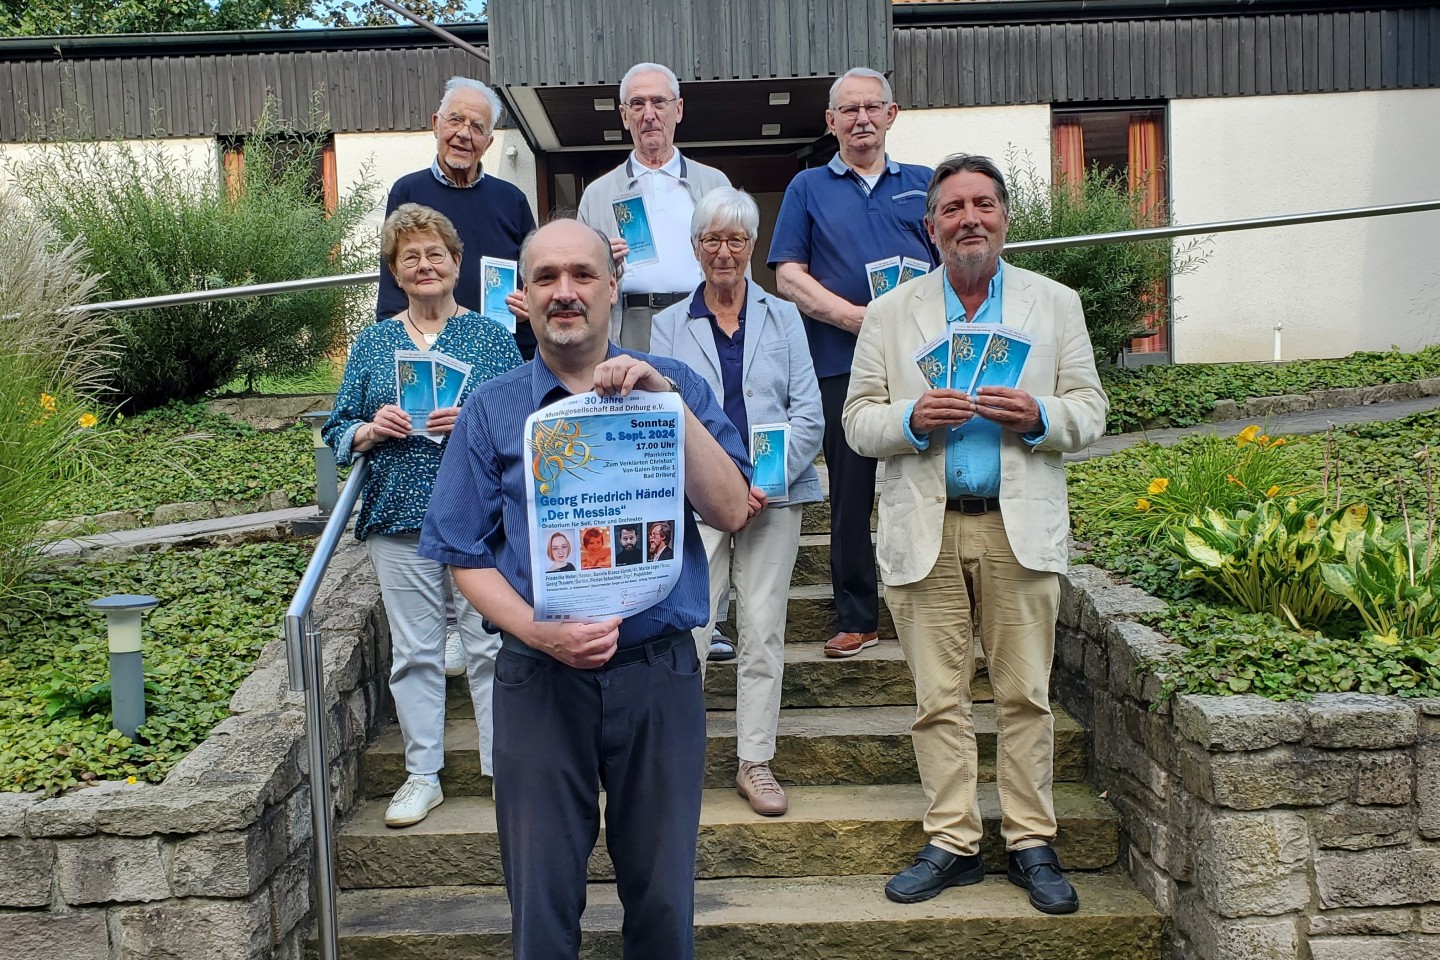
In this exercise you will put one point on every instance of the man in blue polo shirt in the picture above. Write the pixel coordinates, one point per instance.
(491, 215)
(578, 705)
(859, 208)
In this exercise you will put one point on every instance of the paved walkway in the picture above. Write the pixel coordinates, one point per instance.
(1309, 421)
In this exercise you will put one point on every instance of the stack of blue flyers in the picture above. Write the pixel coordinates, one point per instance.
(426, 381)
(499, 279)
(632, 217)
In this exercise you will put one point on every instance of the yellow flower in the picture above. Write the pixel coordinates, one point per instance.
(1142, 505)
(47, 402)
(1247, 435)
(87, 420)
(1230, 478)
(1273, 490)
(1387, 639)
(1277, 442)
(1158, 485)
(130, 780)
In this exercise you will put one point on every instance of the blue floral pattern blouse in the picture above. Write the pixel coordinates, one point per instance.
(402, 471)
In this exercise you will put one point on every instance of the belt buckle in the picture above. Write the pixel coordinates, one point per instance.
(973, 506)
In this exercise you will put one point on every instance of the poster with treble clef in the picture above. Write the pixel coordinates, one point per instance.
(605, 499)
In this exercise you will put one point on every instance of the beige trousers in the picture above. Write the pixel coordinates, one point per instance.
(759, 559)
(934, 619)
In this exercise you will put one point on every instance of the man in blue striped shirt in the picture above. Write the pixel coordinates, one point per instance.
(578, 705)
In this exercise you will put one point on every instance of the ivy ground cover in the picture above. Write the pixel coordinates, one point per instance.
(218, 608)
(1248, 538)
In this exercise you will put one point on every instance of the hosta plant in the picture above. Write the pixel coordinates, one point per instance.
(1268, 559)
(1392, 578)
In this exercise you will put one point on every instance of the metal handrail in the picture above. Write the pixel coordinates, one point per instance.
(307, 674)
(1057, 243)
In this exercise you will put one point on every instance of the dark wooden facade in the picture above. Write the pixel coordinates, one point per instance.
(1150, 58)
(544, 43)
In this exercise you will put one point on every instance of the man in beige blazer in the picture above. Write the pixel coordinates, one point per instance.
(974, 505)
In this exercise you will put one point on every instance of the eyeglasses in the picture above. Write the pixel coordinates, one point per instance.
(412, 260)
(455, 122)
(637, 105)
(851, 111)
(712, 244)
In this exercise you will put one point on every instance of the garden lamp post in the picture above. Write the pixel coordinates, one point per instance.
(123, 612)
(327, 483)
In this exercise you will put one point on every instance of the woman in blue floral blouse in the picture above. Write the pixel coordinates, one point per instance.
(423, 251)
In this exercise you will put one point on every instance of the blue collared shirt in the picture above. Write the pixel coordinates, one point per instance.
(440, 175)
(832, 222)
(972, 450)
(477, 516)
(731, 351)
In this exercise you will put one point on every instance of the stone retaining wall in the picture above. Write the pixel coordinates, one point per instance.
(1264, 830)
(1258, 408)
(214, 863)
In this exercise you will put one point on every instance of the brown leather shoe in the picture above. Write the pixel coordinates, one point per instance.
(757, 784)
(849, 644)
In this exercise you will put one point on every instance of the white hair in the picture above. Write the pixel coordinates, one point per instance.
(861, 72)
(725, 207)
(640, 68)
(455, 84)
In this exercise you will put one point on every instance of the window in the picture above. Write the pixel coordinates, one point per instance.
(1128, 144)
(324, 185)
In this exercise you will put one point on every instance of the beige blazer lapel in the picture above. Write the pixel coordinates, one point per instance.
(1019, 299)
(929, 315)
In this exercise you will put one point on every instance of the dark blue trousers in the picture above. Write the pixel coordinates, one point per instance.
(638, 731)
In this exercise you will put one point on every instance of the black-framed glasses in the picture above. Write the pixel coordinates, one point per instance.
(851, 111)
(455, 122)
(412, 260)
(638, 104)
(712, 244)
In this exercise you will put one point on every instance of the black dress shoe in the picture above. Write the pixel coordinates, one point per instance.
(934, 869)
(1037, 869)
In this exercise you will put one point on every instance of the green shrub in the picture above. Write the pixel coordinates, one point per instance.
(218, 609)
(49, 369)
(157, 226)
(1392, 578)
(1116, 281)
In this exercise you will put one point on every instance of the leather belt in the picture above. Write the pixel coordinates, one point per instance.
(655, 301)
(972, 506)
(650, 650)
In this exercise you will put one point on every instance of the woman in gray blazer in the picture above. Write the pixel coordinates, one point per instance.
(750, 347)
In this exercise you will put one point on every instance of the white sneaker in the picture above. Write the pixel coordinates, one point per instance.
(416, 797)
(454, 654)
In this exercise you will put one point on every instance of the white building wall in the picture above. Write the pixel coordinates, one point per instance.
(1334, 287)
(200, 153)
(929, 136)
(389, 156)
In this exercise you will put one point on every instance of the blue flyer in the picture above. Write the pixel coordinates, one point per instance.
(632, 217)
(910, 268)
(1004, 359)
(883, 275)
(605, 504)
(933, 359)
(770, 454)
(967, 349)
(499, 280)
(450, 378)
(415, 386)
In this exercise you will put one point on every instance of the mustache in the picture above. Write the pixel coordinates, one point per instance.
(576, 306)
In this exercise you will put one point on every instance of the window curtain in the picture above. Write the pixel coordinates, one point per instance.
(1147, 177)
(1068, 138)
(234, 159)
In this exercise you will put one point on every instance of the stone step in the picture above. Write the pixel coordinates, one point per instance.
(876, 677)
(814, 746)
(832, 917)
(829, 831)
(810, 614)
(812, 561)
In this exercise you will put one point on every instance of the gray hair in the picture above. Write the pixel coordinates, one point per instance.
(522, 261)
(640, 68)
(725, 207)
(474, 86)
(861, 72)
(964, 163)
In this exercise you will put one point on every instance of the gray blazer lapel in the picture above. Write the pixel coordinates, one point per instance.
(757, 314)
(1019, 299)
(699, 328)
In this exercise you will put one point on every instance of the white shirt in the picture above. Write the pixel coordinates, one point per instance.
(670, 207)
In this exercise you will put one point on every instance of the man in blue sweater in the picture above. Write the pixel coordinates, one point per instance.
(491, 215)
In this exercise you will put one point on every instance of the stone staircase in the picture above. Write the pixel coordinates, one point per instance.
(808, 884)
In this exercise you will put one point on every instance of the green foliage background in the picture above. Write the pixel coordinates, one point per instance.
(20, 18)
(156, 226)
(218, 609)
